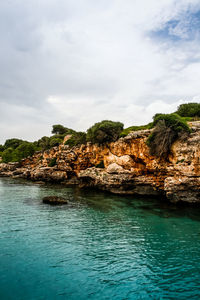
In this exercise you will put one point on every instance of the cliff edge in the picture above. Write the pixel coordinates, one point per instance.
(124, 167)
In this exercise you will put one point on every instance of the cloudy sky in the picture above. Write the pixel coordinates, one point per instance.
(77, 62)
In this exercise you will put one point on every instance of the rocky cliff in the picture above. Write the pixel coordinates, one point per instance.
(124, 167)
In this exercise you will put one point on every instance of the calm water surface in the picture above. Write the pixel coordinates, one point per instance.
(101, 246)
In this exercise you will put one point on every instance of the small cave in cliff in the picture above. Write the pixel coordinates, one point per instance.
(138, 160)
(71, 174)
(86, 182)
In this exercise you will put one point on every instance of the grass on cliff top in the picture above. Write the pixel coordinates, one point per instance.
(126, 131)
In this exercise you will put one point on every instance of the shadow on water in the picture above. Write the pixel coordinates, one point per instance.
(104, 201)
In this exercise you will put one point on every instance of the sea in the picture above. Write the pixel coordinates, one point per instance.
(98, 246)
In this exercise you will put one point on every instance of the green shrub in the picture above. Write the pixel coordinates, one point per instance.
(59, 129)
(173, 121)
(2, 148)
(24, 150)
(77, 138)
(168, 128)
(7, 155)
(52, 162)
(12, 143)
(54, 141)
(43, 143)
(189, 110)
(100, 165)
(126, 131)
(187, 119)
(104, 131)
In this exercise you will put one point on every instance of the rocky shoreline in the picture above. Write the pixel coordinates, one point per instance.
(123, 167)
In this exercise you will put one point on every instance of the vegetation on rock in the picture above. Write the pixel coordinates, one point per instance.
(100, 165)
(43, 143)
(12, 143)
(52, 162)
(15, 150)
(77, 139)
(59, 129)
(168, 128)
(189, 110)
(55, 141)
(7, 155)
(172, 120)
(104, 131)
(126, 131)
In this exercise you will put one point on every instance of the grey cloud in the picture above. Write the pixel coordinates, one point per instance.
(93, 55)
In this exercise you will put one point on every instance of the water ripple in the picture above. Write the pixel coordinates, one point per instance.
(101, 246)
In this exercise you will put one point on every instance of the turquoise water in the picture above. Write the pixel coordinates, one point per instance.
(101, 246)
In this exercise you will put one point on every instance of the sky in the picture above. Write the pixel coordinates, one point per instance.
(77, 62)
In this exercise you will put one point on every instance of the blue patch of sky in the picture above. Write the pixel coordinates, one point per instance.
(185, 27)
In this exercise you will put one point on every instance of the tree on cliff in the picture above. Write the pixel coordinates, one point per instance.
(43, 143)
(168, 128)
(54, 141)
(12, 143)
(2, 148)
(77, 139)
(59, 129)
(189, 110)
(24, 150)
(104, 131)
(7, 155)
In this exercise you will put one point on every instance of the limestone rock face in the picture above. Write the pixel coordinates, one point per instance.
(185, 189)
(114, 169)
(8, 169)
(48, 174)
(129, 168)
(118, 183)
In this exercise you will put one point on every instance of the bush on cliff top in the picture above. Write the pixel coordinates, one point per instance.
(59, 129)
(2, 148)
(54, 141)
(12, 143)
(43, 143)
(168, 128)
(104, 131)
(24, 150)
(46, 142)
(77, 139)
(7, 155)
(173, 121)
(189, 110)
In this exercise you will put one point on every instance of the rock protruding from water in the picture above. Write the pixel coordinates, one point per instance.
(54, 200)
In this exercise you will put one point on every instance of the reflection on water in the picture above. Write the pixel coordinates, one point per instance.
(100, 246)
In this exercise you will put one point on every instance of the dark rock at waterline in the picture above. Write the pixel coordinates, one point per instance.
(54, 200)
(39, 182)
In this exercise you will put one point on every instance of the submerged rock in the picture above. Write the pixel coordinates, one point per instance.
(54, 200)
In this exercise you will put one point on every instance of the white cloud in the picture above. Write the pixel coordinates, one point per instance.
(78, 62)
